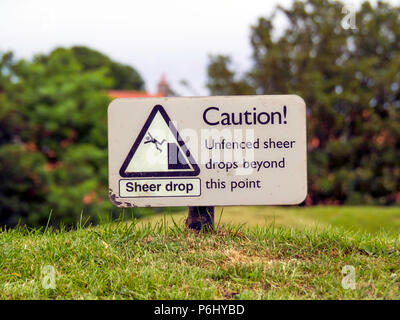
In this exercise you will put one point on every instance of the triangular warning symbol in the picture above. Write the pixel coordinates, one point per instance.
(159, 150)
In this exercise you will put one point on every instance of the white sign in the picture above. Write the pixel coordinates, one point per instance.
(207, 151)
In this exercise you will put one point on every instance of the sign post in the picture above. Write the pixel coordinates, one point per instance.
(203, 152)
(200, 218)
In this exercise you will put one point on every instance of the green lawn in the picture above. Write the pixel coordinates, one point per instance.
(368, 219)
(295, 253)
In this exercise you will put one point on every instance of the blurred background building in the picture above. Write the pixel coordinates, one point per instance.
(163, 91)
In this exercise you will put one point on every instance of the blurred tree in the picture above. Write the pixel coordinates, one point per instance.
(9, 122)
(124, 76)
(53, 140)
(222, 80)
(24, 184)
(350, 81)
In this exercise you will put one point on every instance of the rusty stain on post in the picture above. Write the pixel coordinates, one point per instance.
(200, 218)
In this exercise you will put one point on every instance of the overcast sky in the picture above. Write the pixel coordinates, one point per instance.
(170, 36)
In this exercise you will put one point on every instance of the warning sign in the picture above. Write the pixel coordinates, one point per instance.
(207, 151)
(159, 150)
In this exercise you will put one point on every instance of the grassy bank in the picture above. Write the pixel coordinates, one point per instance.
(353, 218)
(161, 260)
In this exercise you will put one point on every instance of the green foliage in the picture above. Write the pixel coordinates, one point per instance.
(350, 81)
(53, 137)
(124, 76)
(221, 79)
(24, 184)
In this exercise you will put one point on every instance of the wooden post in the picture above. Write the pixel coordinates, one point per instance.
(200, 218)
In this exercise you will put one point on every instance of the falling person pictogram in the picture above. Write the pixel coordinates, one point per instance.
(150, 139)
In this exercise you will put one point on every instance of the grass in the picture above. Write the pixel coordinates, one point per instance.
(354, 218)
(296, 258)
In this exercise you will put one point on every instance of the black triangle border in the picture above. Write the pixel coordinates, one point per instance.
(122, 171)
